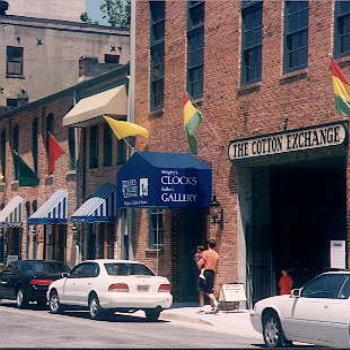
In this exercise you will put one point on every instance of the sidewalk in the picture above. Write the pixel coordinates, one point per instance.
(231, 322)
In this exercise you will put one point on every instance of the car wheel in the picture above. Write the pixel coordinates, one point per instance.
(95, 310)
(152, 315)
(21, 299)
(273, 332)
(54, 303)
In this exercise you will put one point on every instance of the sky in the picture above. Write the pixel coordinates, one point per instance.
(93, 10)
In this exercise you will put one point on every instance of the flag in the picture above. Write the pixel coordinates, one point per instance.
(192, 119)
(55, 151)
(341, 89)
(124, 129)
(26, 176)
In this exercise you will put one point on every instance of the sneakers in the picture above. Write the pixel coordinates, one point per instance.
(201, 276)
(201, 311)
(215, 308)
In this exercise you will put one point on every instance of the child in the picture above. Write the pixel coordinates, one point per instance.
(198, 256)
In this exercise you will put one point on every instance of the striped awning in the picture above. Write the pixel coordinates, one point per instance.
(100, 207)
(11, 215)
(53, 211)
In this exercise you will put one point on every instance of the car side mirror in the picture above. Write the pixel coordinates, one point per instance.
(296, 293)
(65, 274)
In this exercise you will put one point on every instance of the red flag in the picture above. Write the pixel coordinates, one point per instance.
(55, 151)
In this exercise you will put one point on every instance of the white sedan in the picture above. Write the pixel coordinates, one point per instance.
(107, 286)
(318, 313)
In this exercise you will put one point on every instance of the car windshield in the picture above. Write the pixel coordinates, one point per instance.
(31, 267)
(125, 269)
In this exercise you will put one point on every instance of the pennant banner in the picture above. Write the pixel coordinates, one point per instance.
(26, 176)
(55, 152)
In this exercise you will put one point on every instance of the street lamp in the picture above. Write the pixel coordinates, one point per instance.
(216, 213)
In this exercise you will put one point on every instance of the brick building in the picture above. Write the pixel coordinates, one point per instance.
(259, 72)
(35, 220)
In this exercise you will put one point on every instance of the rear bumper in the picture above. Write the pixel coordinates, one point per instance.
(115, 300)
(36, 294)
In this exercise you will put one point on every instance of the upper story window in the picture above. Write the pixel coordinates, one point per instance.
(121, 152)
(50, 128)
(112, 58)
(72, 151)
(296, 23)
(93, 147)
(195, 48)
(35, 132)
(16, 102)
(3, 153)
(342, 29)
(14, 60)
(156, 229)
(107, 145)
(15, 146)
(157, 33)
(252, 14)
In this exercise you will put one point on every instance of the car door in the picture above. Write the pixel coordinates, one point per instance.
(309, 317)
(90, 273)
(339, 309)
(5, 283)
(71, 285)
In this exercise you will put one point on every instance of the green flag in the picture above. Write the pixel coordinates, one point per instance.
(26, 176)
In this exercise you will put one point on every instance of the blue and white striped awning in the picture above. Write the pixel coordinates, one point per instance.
(11, 215)
(53, 211)
(100, 207)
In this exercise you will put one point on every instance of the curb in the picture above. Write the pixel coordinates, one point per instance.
(177, 317)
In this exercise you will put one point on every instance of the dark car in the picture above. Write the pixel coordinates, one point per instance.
(29, 280)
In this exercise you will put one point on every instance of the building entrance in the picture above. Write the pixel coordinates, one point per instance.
(297, 209)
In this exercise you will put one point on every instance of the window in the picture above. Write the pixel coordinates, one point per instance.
(93, 147)
(251, 41)
(195, 48)
(112, 58)
(155, 227)
(14, 60)
(126, 269)
(16, 102)
(121, 152)
(71, 143)
(35, 130)
(296, 22)
(157, 32)
(107, 145)
(50, 123)
(85, 270)
(342, 28)
(15, 146)
(324, 286)
(3, 153)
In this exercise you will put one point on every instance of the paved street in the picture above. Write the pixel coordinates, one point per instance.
(38, 328)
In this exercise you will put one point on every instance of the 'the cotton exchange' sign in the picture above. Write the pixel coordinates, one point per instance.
(291, 141)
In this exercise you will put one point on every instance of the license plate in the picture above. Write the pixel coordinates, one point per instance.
(142, 288)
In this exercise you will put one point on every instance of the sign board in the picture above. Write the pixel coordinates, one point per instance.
(290, 141)
(11, 258)
(338, 255)
(232, 292)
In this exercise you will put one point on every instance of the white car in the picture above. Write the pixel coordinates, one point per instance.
(318, 313)
(107, 286)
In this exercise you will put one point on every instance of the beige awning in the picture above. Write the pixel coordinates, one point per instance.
(109, 102)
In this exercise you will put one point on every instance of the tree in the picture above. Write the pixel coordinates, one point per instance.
(117, 12)
(84, 17)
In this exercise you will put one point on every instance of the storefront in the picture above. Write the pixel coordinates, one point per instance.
(53, 216)
(292, 203)
(95, 224)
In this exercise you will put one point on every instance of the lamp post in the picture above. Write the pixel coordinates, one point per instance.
(216, 212)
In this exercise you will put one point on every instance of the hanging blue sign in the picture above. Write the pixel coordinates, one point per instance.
(173, 180)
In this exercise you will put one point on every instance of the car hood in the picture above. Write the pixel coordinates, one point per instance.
(276, 300)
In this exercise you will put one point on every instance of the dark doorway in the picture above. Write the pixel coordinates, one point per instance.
(193, 231)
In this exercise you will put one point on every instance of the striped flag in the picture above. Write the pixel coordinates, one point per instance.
(341, 89)
(192, 119)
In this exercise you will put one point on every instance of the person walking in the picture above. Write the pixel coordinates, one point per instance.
(209, 262)
(285, 283)
(200, 279)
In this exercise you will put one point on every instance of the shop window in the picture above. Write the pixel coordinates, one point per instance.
(195, 48)
(112, 58)
(3, 154)
(15, 146)
(157, 48)
(121, 152)
(50, 123)
(14, 60)
(251, 41)
(72, 153)
(93, 147)
(342, 29)
(155, 228)
(35, 131)
(296, 23)
(107, 146)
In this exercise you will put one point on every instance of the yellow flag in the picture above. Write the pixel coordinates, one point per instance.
(124, 129)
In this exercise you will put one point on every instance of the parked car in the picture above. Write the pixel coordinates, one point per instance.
(107, 286)
(318, 313)
(28, 280)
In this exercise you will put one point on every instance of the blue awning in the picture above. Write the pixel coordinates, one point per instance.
(53, 211)
(100, 207)
(11, 214)
(172, 180)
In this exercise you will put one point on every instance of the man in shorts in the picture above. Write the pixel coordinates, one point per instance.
(210, 262)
